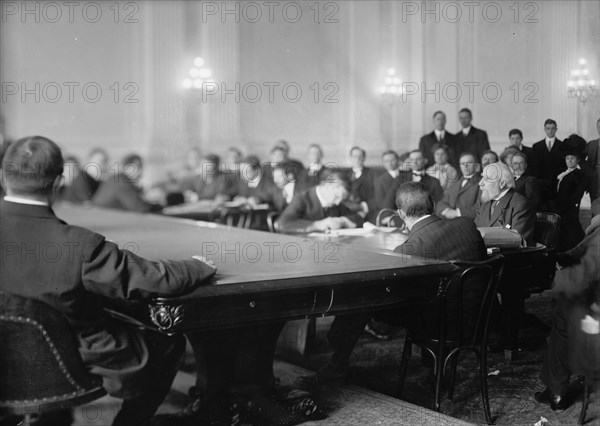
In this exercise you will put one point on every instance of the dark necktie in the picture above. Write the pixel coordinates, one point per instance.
(493, 207)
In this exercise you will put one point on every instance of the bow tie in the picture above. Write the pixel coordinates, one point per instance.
(418, 173)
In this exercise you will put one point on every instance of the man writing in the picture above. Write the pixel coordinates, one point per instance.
(320, 209)
(138, 366)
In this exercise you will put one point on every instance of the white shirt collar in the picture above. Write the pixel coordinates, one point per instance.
(466, 130)
(288, 189)
(502, 194)
(254, 182)
(550, 140)
(469, 176)
(21, 200)
(439, 133)
(394, 173)
(420, 219)
(320, 197)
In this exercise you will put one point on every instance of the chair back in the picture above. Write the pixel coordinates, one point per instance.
(40, 366)
(547, 229)
(272, 221)
(468, 300)
(392, 219)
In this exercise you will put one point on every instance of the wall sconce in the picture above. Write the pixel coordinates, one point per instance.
(199, 74)
(581, 86)
(393, 84)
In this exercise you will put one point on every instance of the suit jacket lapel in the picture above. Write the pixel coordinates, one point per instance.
(500, 209)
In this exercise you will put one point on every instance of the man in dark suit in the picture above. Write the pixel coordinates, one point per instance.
(383, 182)
(208, 182)
(122, 191)
(593, 166)
(439, 136)
(361, 180)
(574, 344)
(430, 237)
(88, 179)
(501, 206)
(316, 171)
(516, 139)
(471, 139)
(461, 198)
(525, 184)
(83, 271)
(292, 165)
(320, 208)
(417, 164)
(548, 160)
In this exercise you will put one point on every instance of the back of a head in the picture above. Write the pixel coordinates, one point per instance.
(414, 199)
(31, 165)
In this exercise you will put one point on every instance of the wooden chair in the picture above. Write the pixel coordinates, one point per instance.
(41, 369)
(460, 326)
(272, 221)
(392, 216)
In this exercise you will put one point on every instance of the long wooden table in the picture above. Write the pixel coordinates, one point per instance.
(261, 277)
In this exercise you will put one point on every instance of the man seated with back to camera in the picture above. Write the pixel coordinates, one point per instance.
(320, 208)
(136, 365)
(430, 237)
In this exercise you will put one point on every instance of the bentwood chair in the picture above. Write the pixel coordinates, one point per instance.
(463, 308)
(40, 368)
(272, 221)
(390, 217)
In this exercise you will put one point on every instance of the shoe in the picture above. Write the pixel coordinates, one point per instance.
(201, 412)
(374, 330)
(291, 408)
(557, 403)
(329, 374)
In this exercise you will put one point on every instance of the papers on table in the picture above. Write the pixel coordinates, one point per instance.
(368, 228)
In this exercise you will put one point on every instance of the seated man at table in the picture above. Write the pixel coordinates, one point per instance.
(209, 183)
(138, 366)
(430, 237)
(501, 206)
(461, 197)
(320, 209)
(574, 344)
(122, 191)
(88, 180)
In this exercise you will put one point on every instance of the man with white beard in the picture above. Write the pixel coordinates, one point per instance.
(501, 206)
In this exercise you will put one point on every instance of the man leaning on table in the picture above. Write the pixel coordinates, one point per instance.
(320, 208)
(137, 366)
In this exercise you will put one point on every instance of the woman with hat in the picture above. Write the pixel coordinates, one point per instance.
(570, 186)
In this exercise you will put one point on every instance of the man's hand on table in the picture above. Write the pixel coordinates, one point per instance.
(206, 261)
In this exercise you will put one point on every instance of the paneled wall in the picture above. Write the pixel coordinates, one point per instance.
(336, 53)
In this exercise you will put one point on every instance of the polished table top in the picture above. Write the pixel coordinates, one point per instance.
(264, 275)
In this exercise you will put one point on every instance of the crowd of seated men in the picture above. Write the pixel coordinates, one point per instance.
(443, 191)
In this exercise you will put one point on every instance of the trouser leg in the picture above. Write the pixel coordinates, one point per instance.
(157, 377)
(343, 335)
(555, 371)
